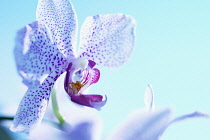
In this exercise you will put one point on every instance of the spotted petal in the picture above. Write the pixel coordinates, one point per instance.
(107, 40)
(39, 63)
(35, 55)
(33, 105)
(60, 19)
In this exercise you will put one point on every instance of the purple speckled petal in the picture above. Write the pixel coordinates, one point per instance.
(35, 56)
(33, 105)
(39, 63)
(107, 40)
(60, 19)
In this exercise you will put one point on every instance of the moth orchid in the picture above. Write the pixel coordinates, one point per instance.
(46, 48)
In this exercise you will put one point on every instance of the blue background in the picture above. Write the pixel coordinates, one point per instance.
(171, 53)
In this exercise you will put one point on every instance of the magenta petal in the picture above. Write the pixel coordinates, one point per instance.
(94, 98)
(95, 76)
(98, 105)
(94, 101)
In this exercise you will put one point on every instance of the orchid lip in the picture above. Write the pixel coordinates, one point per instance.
(94, 101)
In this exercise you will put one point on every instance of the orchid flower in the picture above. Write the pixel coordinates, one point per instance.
(151, 123)
(46, 48)
(142, 124)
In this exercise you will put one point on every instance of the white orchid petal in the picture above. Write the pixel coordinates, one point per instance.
(82, 131)
(143, 125)
(39, 63)
(33, 105)
(60, 19)
(108, 39)
(35, 56)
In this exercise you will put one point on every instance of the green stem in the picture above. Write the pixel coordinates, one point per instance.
(55, 108)
(6, 118)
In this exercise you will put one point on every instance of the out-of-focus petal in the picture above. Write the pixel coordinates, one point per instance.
(149, 97)
(193, 115)
(143, 125)
(46, 131)
(108, 39)
(86, 129)
(33, 105)
(35, 56)
(60, 19)
(82, 131)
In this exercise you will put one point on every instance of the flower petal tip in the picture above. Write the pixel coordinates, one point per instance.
(201, 114)
(19, 128)
(93, 101)
(196, 114)
(98, 105)
(149, 97)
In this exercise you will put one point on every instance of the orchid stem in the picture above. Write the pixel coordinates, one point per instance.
(6, 118)
(56, 109)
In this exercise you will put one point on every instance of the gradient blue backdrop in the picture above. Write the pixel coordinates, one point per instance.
(171, 53)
